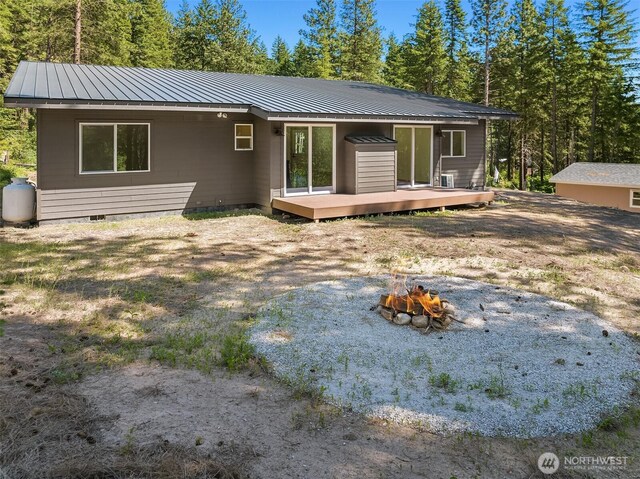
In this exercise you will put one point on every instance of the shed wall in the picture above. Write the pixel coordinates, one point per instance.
(617, 197)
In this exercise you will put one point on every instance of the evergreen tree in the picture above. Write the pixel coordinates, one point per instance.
(303, 61)
(185, 39)
(427, 60)
(150, 34)
(360, 40)
(488, 22)
(235, 47)
(394, 71)
(528, 78)
(565, 72)
(458, 74)
(607, 34)
(321, 38)
(282, 64)
(201, 37)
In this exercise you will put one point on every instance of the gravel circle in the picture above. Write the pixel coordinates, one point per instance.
(521, 365)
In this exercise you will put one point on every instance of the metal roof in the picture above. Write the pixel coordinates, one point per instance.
(600, 174)
(369, 140)
(60, 85)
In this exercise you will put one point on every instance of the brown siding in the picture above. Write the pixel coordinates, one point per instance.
(617, 197)
(193, 148)
(464, 170)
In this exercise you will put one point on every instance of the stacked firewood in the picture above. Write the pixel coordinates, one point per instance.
(419, 308)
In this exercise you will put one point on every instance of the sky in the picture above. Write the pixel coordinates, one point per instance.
(270, 18)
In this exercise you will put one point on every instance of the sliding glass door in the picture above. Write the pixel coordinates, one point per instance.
(309, 159)
(414, 153)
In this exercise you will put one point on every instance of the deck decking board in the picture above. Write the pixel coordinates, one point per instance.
(317, 207)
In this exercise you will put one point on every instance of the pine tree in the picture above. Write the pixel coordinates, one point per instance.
(303, 61)
(565, 72)
(360, 40)
(458, 74)
(282, 65)
(150, 34)
(394, 71)
(200, 37)
(185, 38)
(607, 34)
(321, 38)
(235, 47)
(488, 22)
(427, 60)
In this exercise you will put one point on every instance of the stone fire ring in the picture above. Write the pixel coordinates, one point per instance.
(521, 365)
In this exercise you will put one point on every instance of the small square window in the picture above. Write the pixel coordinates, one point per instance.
(454, 143)
(243, 136)
(635, 199)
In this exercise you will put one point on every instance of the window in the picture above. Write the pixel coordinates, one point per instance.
(244, 136)
(635, 199)
(114, 147)
(454, 143)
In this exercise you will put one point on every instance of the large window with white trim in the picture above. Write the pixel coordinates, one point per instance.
(114, 147)
(454, 143)
(635, 199)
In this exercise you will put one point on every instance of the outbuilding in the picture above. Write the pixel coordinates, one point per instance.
(604, 184)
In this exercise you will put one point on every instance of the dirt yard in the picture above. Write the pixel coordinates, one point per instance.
(123, 348)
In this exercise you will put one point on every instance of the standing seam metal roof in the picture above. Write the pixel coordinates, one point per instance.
(51, 84)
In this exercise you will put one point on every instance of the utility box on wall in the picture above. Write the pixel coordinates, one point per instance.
(370, 164)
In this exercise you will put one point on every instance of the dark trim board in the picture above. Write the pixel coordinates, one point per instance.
(337, 206)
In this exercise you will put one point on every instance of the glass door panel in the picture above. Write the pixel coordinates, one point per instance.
(297, 159)
(422, 157)
(404, 154)
(322, 158)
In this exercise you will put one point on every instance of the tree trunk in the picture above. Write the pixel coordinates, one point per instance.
(78, 37)
(523, 164)
(542, 158)
(592, 128)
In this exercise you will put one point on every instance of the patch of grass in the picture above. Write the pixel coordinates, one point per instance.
(444, 381)
(236, 350)
(462, 407)
(540, 406)
(230, 213)
(2, 323)
(433, 213)
(210, 274)
(579, 391)
(497, 387)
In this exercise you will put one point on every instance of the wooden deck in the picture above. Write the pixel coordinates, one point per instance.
(316, 207)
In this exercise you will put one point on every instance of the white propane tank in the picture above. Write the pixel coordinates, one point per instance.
(18, 201)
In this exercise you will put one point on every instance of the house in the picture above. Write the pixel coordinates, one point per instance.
(116, 141)
(604, 184)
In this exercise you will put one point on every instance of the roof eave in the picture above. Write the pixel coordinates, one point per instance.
(591, 183)
(315, 117)
(19, 102)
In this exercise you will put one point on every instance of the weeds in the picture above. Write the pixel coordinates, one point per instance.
(236, 351)
(444, 381)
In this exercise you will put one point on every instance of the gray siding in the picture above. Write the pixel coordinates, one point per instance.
(464, 170)
(185, 148)
(193, 164)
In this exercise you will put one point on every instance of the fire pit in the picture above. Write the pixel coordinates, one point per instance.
(419, 308)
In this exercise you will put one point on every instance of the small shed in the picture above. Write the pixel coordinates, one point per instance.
(604, 184)
(370, 164)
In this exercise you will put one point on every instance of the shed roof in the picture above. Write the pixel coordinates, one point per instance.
(370, 140)
(600, 174)
(61, 85)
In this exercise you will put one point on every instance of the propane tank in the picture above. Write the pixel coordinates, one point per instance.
(18, 201)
